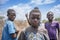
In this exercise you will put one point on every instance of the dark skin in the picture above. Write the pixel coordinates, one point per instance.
(34, 19)
(50, 17)
(11, 16)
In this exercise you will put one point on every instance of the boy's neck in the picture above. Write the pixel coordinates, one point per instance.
(10, 19)
(36, 28)
(50, 21)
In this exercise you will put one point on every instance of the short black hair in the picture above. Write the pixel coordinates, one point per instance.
(36, 9)
(50, 12)
(10, 10)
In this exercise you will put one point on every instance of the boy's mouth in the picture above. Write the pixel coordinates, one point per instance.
(35, 24)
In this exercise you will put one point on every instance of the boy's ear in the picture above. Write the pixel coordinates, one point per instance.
(27, 18)
(29, 22)
(7, 14)
(53, 17)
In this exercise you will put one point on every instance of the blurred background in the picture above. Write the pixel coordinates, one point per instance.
(25, 6)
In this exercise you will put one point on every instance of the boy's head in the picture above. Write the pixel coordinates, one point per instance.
(34, 17)
(50, 16)
(11, 14)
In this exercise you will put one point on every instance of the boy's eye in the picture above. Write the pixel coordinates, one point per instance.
(12, 15)
(33, 18)
(50, 15)
(38, 18)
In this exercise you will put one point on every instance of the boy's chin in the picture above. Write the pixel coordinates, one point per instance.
(35, 26)
(50, 19)
(12, 20)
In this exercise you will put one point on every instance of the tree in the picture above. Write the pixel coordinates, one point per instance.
(43, 21)
(1, 17)
(57, 19)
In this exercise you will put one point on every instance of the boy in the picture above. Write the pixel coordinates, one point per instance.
(51, 26)
(33, 32)
(9, 31)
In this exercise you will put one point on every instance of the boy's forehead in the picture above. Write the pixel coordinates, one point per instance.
(50, 13)
(35, 13)
(12, 12)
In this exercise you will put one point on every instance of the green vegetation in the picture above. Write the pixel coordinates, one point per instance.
(43, 21)
(1, 17)
(57, 19)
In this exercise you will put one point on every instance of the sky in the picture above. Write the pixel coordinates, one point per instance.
(25, 6)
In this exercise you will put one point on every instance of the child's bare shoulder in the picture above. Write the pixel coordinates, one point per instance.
(26, 29)
(43, 30)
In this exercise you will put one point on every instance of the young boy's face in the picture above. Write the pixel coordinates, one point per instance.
(12, 15)
(50, 16)
(34, 19)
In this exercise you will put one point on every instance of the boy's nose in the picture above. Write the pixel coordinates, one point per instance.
(14, 16)
(35, 20)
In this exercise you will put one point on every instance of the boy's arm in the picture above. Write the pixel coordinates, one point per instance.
(45, 26)
(17, 31)
(11, 30)
(58, 28)
(13, 35)
(22, 36)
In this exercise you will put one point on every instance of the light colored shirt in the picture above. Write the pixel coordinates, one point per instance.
(8, 29)
(32, 34)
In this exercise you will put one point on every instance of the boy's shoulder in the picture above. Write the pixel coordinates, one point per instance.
(26, 29)
(43, 30)
(55, 22)
(46, 22)
(9, 22)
